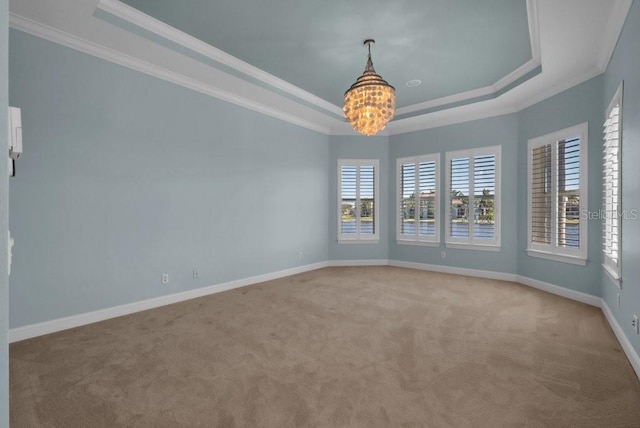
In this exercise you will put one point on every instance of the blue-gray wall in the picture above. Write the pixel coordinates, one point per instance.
(502, 131)
(347, 147)
(625, 65)
(126, 177)
(582, 103)
(4, 215)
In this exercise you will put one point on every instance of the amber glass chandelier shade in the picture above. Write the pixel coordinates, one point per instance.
(370, 102)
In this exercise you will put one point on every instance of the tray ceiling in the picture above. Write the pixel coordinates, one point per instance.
(293, 60)
(452, 47)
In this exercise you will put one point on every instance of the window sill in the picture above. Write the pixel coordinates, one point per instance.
(494, 248)
(418, 243)
(358, 241)
(613, 276)
(557, 257)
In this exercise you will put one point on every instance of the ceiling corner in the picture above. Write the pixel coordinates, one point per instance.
(620, 9)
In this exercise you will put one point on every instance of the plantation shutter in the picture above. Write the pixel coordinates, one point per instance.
(357, 204)
(484, 193)
(407, 201)
(417, 215)
(349, 190)
(541, 195)
(473, 198)
(367, 210)
(568, 187)
(427, 199)
(557, 187)
(459, 200)
(611, 188)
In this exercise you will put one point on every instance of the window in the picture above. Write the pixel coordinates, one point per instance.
(557, 195)
(418, 206)
(611, 187)
(358, 201)
(473, 198)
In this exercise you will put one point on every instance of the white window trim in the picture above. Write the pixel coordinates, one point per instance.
(476, 246)
(552, 252)
(417, 239)
(613, 270)
(358, 238)
(548, 255)
(470, 243)
(614, 275)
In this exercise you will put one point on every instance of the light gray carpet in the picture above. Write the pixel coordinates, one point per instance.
(362, 347)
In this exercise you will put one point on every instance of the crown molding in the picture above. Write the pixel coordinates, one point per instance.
(466, 113)
(450, 99)
(483, 110)
(510, 100)
(561, 86)
(515, 75)
(65, 39)
(534, 29)
(494, 89)
(172, 34)
(613, 29)
(165, 31)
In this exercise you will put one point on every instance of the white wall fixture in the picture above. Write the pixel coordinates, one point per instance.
(15, 137)
(9, 252)
(15, 150)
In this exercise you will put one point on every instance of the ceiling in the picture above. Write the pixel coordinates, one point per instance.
(452, 47)
(293, 60)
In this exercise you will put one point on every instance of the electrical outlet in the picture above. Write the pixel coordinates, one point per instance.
(635, 325)
(164, 279)
(443, 255)
(195, 274)
(300, 254)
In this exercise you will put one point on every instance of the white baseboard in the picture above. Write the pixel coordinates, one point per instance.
(34, 330)
(372, 262)
(598, 302)
(560, 291)
(29, 331)
(501, 276)
(588, 299)
(627, 347)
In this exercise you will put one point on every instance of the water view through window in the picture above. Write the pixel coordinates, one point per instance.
(357, 200)
(472, 199)
(418, 199)
(563, 199)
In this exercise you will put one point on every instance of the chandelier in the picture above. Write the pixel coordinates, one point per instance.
(370, 102)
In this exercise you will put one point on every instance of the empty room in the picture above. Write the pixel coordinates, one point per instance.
(416, 213)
